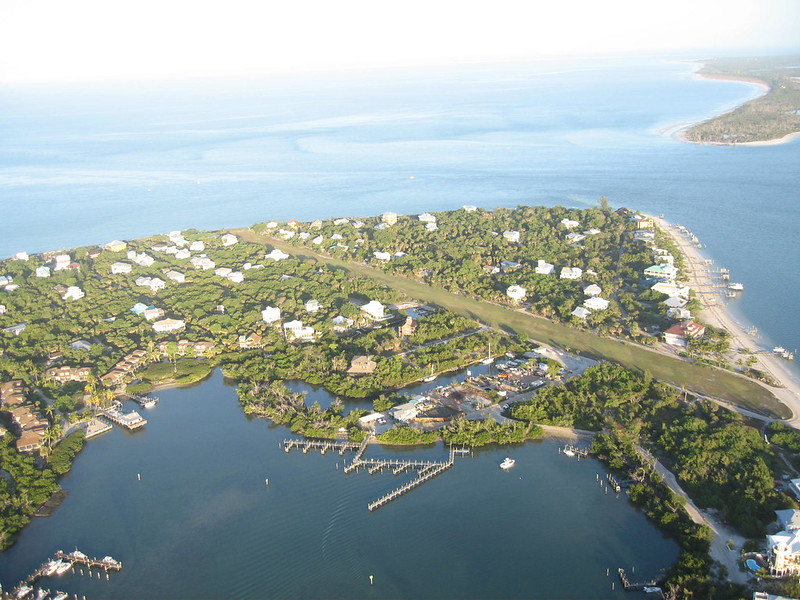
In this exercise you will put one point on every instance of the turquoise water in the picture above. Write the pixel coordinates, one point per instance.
(202, 524)
(84, 165)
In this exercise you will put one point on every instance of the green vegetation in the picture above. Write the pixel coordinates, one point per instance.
(462, 432)
(768, 117)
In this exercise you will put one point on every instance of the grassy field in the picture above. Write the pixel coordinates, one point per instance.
(709, 381)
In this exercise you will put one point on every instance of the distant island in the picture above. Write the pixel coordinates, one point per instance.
(365, 306)
(769, 119)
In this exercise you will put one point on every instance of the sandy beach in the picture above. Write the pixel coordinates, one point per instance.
(704, 279)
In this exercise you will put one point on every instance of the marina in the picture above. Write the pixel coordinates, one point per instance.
(130, 421)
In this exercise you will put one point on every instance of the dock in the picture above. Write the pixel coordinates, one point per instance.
(571, 450)
(143, 401)
(131, 420)
(425, 469)
(76, 558)
(633, 587)
(96, 427)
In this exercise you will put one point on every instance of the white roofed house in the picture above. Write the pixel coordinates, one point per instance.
(197, 246)
(176, 276)
(390, 218)
(317, 240)
(544, 268)
(2, 309)
(569, 223)
(671, 289)
(511, 236)
(783, 548)
(375, 309)
(73, 293)
(516, 292)
(581, 312)
(571, 273)
(61, 262)
(119, 268)
(167, 325)
(229, 239)
(223, 272)
(312, 306)
(202, 263)
(296, 331)
(277, 255)
(235, 277)
(270, 314)
(431, 226)
(183, 254)
(593, 290)
(384, 256)
(427, 218)
(596, 303)
(152, 313)
(43, 272)
(574, 238)
(341, 324)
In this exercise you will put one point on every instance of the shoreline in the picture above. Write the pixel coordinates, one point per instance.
(679, 134)
(716, 313)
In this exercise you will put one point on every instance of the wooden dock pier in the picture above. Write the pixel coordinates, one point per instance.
(73, 558)
(143, 401)
(571, 450)
(426, 469)
(633, 587)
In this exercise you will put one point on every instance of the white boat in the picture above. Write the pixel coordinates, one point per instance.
(23, 591)
(42, 593)
(736, 287)
(111, 562)
(77, 555)
(61, 596)
(63, 567)
(507, 463)
(51, 566)
(569, 452)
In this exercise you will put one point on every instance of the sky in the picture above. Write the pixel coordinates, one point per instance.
(76, 40)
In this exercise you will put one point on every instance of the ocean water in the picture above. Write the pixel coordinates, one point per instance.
(201, 523)
(86, 164)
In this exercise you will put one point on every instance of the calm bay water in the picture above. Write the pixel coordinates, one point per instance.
(202, 524)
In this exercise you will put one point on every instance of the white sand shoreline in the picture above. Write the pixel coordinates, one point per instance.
(715, 313)
(678, 132)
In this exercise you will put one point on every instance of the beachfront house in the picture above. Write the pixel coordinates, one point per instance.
(661, 272)
(679, 334)
(116, 246)
(389, 218)
(229, 239)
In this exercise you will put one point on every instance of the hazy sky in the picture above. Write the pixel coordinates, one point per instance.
(53, 40)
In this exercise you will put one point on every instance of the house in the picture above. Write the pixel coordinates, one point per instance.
(223, 272)
(115, 246)
(358, 224)
(544, 268)
(427, 218)
(373, 422)
(229, 239)
(407, 328)
(511, 236)
(183, 254)
(94, 252)
(296, 331)
(61, 262)
(154, 283)
(384, 256)
(362, 365)
(647, 237)
(469, 208)
(381, 226)
(581, 312)
(516, 292)
(341, 221)
(661, 272)
(374, 309)
(571, 273)
(286, 234)
(141, 259)
(341, 324)
(783, 548)
(644, 222)
(118, 268)
(679, 313)
(159, 247)
(176, 276)
(317, 240)
(316, 224)
(197, 246)
(312, 306)
(153, 313)
(593, 290)
(138, 308)
(73, 293)
(80, 345)
(509, 266)
(677, 335)
(303, 235)
(675, 302)
(167, 325)
(65, 374)
(671, 289)
(202, 263)
(389, 218)
(235, 277)
(431, 226)
(277, 255)
(21, 256)
(569, 223)
(574, 238)
(596, 303)
(249, 341)
(270, 314)
(43, 271)
(2, 309)
(592, 231)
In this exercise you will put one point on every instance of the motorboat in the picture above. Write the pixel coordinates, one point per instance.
(507, 463)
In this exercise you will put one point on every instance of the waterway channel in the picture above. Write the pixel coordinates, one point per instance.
(201, 523)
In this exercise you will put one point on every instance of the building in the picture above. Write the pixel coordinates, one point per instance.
(250, 341)
(341, 324)
(783, 548)
(176, 276)
(593, 290)
(644, 223)
(65, 374)
(384, 256)
(407, 328)
(671, 289)
(677, 335)
(581, 312)
(277, 255)
(596, 303)
(312, 306)
(61, 262)
(270, 314)
(544, 268)
(197, 246)
(167, 325)
(516, 292)
(374, 309)
(43, 271)
(427, 218)
(151, 312)
(119, 268)
(390, 218)
(229, 239)
(116, 246)
(80, 345)
(73, 293)
(661, 272)
(362, 365)
(295, 331)
(569, 223)
(202, 263)
(574, 238)
(511, 236)
(571, 273)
